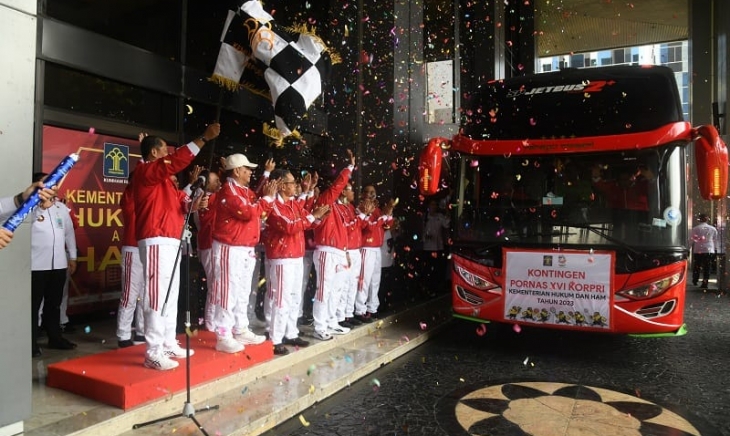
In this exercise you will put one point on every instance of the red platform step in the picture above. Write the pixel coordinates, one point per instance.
(119, 378)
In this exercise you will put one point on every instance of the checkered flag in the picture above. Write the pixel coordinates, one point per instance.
(288, 64)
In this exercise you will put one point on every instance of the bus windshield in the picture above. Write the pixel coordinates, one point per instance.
(602, 200)
(573, 104)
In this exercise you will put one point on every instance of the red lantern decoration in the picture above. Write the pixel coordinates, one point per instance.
(429, 166)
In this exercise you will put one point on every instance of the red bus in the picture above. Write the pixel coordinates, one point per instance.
(569, 199)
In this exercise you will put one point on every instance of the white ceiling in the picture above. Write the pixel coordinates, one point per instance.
(565, 26)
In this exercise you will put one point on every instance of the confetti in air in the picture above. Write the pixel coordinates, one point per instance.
(482, 329)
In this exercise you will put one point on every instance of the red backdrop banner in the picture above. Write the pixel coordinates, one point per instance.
(92, 189)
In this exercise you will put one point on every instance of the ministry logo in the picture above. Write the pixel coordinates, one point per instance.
(116, 161)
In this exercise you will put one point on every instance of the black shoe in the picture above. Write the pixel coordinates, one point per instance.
(68, 328)
(704, 285)
(694, 282)
(61, 344)
(125, 343)
(365, 319)
(297, 342)
(305, 320)
(280, 350)
(354, 321)
(372, 316)
(138, 339)
(347, 324)
(37, 351)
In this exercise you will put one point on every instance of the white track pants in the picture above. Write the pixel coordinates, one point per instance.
(206, 260)
(306, 271)
(160, 274)
(332, 276)
(285, 289)
(234, 267)
(131, 304)
(367, 294)
(346, 305)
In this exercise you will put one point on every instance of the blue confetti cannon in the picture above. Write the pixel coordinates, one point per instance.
(34, 199)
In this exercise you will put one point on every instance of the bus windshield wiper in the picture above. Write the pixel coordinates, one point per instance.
(602, 233)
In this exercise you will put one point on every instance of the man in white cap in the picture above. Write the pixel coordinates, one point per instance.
(236, 232)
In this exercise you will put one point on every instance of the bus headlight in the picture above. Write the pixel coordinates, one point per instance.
(651, 290)
(474, 280)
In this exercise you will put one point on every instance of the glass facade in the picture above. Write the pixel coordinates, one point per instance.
(152, 25)
(72, 90)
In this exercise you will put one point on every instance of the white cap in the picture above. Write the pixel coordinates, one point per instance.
(238, 160)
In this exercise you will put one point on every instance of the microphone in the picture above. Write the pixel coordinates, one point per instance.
(34, 199)
(200, 183)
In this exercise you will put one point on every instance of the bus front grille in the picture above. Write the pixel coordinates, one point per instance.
(468, 296)
(659, 309)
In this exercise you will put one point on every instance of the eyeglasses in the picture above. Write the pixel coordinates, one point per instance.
(348, 189)
(289, 183)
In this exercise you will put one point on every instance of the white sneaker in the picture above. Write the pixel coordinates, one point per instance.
(322, 336)
(338, 330)
(228, 345)
(177, 352)
(160, 363)
(249, 338)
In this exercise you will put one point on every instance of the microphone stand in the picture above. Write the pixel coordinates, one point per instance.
(188, 409)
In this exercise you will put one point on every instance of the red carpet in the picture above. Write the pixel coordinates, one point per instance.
(119, 378)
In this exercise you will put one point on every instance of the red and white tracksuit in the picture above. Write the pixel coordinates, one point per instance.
(330, 256)
(131, 301)
(160, 209)
(284, 244)
(236, 232)
(204, 222)
(372, 239)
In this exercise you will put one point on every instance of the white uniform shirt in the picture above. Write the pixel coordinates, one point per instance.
(433, 231)
(52, 236)
(704, 239)
(386, 252)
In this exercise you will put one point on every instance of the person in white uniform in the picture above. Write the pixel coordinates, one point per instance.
(52, 237)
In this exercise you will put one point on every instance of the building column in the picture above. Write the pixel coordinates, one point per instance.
(17, 18)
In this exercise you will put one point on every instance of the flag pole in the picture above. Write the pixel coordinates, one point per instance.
(211, 144)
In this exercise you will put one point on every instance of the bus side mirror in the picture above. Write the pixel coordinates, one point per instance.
(712, 163)
(429, 166)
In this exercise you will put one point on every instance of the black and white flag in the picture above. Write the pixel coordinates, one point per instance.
(288, 64)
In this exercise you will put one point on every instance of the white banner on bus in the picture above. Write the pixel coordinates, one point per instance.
(558, 288)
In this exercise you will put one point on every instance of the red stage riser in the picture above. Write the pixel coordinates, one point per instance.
(118, 377)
